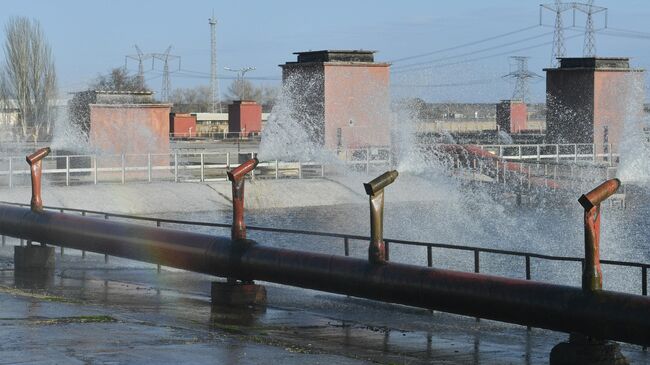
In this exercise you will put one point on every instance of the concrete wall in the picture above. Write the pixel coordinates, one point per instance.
(512, 116)
(357, 101)
(617, 97)
(569, 100)
(130, 128)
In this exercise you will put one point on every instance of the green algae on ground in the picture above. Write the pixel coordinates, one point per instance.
(75, 319)
(32, 294)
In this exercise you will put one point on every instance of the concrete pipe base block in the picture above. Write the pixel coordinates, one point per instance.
(587, 352)
(238, 294)
(33, 257)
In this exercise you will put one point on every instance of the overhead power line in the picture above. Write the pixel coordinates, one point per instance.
(452, 84)
(472, 52)
(468, 44)
(468, 60)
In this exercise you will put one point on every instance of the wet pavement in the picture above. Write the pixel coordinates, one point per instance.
(126, 312)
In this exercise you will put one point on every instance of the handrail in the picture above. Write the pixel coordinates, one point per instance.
(345, 236)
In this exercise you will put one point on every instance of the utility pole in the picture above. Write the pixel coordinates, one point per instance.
(165, 91)
(214, 83)
(558, 35)
(140, 57)
(589, 9)
(241, 73)
(521, 74)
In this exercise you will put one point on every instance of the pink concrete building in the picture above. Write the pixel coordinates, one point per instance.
(512, 116)
(344, 96)
(245, 117)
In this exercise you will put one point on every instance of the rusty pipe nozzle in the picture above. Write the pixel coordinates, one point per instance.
(35, 166)
(380, 182)
(241, 170)
(375, 190)
(599, 194)
(236, 176)
(38, 155)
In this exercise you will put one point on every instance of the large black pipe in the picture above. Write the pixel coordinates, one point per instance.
(601, 314)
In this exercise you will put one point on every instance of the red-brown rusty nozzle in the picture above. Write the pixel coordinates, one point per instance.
(592, 274)
(243, 169)
(38, 155)
(236, 175)
(380, 182)
(375, 190)
(34, 160)
(599, 194)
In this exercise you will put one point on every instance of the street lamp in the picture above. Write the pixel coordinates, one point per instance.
(240, 75)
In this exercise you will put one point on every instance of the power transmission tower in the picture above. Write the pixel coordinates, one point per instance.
(589, 9)
(165, 91)
(140, 57)
(214, 83)
(558, 35)
(521, 74)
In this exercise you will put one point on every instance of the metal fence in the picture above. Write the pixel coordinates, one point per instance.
(177, 167)
(556, 152)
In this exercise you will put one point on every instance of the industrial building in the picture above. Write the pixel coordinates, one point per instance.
(343, 95)
(588, 100)
(122, 121)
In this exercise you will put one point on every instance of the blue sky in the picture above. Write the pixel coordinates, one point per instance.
(91, 37)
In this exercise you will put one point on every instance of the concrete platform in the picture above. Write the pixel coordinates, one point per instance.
(125, 312)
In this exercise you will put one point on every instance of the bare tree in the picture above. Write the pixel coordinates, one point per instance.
(28, 77)
(245, 90)
(118, 80)
(191, 100)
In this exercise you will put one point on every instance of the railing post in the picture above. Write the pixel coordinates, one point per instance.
(276, 169)
(299, 169)
(202, 168)
(557, 153)
(539, 153)
(477, 261)
(611, 157)
(367, 160)
(175, 166)
(149, 167)
(429, 256)
(95, 169)
(123, 168)
(253, 170)
(593, 150)
(527, 267)
(375, 191)
(346, 246)
(520, 153)
(67, 170)
(575, 147)
(11, 173)
(644, 280)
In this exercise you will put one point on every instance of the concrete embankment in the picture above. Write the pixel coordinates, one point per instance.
(167, 197)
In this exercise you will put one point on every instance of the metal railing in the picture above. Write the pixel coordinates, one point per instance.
(527, 257)
(177, 167)
(556, 152)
